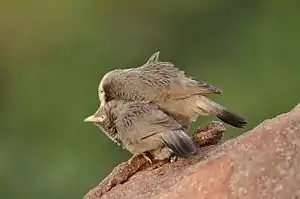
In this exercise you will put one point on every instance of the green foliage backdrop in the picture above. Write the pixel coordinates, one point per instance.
(54, 53)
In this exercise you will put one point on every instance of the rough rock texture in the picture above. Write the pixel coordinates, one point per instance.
(263, 163)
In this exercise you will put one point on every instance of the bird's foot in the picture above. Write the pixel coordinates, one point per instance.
(144, 155)
(173, 158)
(147, 158)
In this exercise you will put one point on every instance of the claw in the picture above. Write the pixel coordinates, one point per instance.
(173, 158)
(147, 158)
(142, 154)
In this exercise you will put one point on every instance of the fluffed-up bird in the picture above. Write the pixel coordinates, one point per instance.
(142, 127)
(174, 92)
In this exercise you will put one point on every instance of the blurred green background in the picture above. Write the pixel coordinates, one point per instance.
(54, 53)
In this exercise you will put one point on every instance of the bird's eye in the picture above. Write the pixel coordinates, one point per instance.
(101, 91)
(102, 118)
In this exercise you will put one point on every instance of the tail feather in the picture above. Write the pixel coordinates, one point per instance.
(232, 119)
(221, 112)
(180, 143)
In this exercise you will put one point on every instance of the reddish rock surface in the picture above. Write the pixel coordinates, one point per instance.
(263, 163)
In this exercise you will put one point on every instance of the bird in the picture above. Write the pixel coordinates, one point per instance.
(161, 83)
(141, 127)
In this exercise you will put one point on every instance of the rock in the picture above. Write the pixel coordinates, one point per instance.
(263, 163)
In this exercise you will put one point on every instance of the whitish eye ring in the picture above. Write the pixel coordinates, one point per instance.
(102, 118)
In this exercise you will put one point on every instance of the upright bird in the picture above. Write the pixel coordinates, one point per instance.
(142, 127)
(163, 84)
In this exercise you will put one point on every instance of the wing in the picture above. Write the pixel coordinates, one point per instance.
(156, 81)
(142, 121)
(179, 142)
(174, 81)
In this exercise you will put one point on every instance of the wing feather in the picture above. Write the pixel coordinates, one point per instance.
(148, 120)
(154, 82)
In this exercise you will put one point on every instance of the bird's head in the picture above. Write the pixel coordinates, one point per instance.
(106, 86)
(104, 120)
(106, 116)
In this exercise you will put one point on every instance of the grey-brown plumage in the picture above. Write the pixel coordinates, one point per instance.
(165, 85)
(142, 127)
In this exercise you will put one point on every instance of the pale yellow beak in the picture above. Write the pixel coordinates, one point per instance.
(91, 118)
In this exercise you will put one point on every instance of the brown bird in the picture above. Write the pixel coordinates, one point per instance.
(142, 127)
(165, 85)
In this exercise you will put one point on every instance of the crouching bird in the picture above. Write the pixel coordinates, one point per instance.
(142, 127)
(163, 84)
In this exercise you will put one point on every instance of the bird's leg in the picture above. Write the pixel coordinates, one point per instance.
(144, 155)
(147, 158)
(161, 154)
